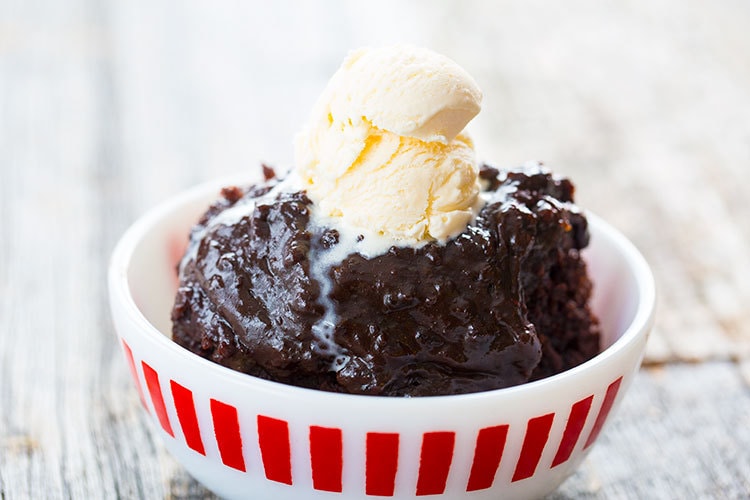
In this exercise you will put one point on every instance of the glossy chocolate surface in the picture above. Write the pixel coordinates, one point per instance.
(503, 303)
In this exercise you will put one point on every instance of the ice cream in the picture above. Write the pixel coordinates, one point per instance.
(384, 149)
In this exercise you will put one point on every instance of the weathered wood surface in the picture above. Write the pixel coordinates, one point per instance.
(107, 108)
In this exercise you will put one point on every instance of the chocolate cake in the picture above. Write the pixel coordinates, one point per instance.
(502, 303)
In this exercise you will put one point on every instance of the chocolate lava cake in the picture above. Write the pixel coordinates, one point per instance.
(503, 303)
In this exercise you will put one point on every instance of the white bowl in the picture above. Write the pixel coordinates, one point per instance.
(244, 437)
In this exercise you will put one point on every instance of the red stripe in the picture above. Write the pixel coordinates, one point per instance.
(537, 433)
(227, 432)
(609, 400)
(326, 457)
(381, 463)
(183, 402)
(133, 372)
(435, 462)
(487, 455)
(273, 438)
(577, 419)
(152, 382)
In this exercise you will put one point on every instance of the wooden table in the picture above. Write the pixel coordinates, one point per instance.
(108, 108)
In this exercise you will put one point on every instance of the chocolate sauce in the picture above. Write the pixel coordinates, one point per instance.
(502, 303)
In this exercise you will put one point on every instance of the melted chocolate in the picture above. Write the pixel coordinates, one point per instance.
(503, 303)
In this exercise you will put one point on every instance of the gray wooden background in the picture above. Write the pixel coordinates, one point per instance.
(107, 108)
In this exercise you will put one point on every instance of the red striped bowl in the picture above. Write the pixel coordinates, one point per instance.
(245, 437)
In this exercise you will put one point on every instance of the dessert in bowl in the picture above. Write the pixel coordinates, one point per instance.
(387, 262)
(244, 436)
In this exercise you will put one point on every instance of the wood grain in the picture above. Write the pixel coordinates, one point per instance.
(107, 108)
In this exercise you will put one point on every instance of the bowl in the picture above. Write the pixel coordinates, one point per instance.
(243, 437)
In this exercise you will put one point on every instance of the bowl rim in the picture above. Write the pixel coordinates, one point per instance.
(119, 292)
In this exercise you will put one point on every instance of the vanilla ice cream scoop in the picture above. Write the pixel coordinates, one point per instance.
(384, 149)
